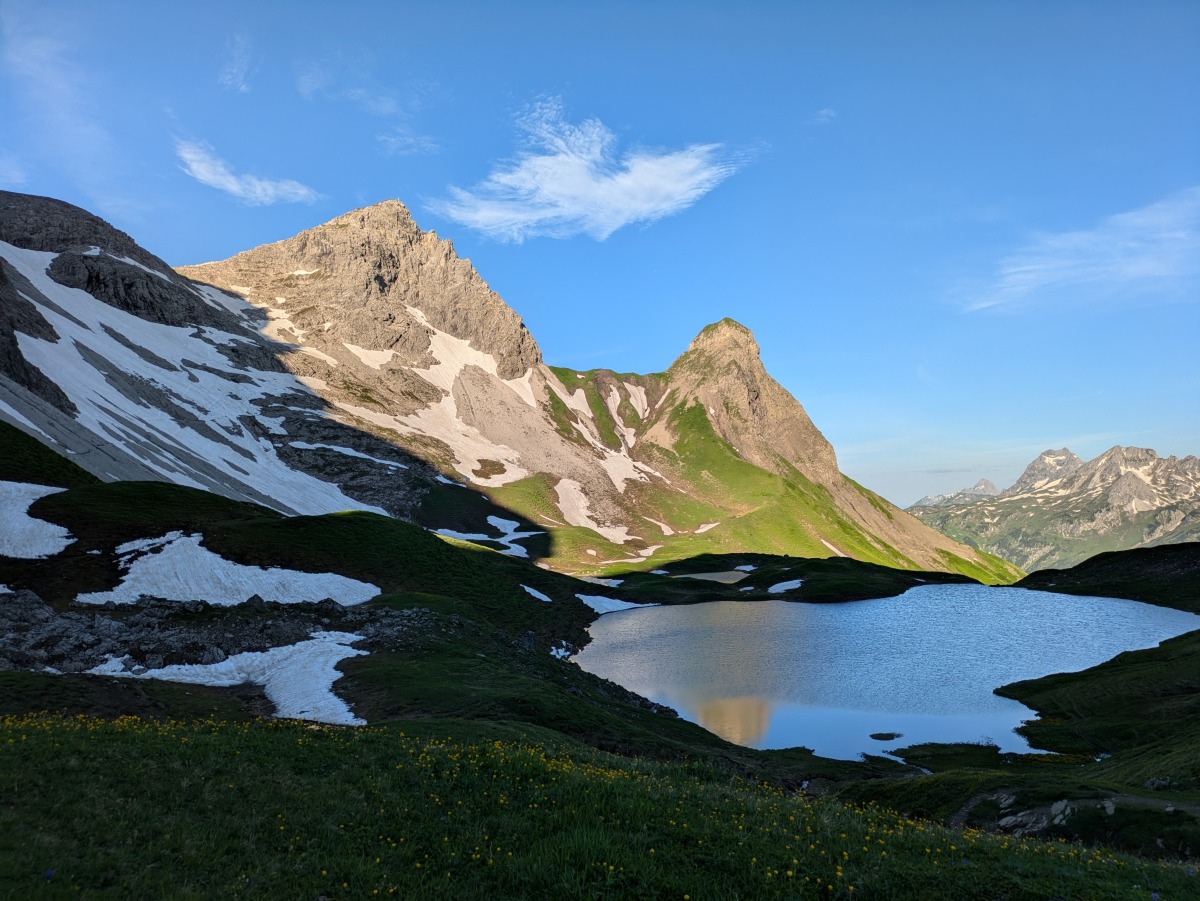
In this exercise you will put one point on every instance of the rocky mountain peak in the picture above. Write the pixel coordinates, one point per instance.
(725, 338)
(382, 284)
(984, 488)
(1049, 466)
(722, 370)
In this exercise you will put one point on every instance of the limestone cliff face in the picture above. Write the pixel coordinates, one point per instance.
(372, 279)
(748, 408)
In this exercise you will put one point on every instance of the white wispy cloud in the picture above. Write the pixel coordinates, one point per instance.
(201, 163)
(571, 180)
(1147, 255)
(824, 116)
(331, 80)
(400, 141)
(235, 72)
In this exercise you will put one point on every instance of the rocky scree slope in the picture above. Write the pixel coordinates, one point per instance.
(1061, 511)
(363, 364)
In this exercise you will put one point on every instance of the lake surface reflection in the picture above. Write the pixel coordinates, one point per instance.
(774, 674)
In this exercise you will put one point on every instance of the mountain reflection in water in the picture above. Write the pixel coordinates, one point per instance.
(742, 721)
(774, 674)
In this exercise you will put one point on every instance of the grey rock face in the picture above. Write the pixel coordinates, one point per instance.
(363, 354)
(1049, 466)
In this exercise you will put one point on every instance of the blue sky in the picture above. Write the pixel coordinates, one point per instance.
(962, 232)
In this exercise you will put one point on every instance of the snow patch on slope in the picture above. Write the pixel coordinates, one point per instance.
(298, 679)
(637, 397)
(666, 529)
(320, 355)
(376, 359)
(576, 511)
(509, 535)
(177, 568)
(604, 605)
(537, 594)
(613, 402)
(780, 587)
(440, 421)
(21, 535)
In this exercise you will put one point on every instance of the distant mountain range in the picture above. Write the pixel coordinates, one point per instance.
(363, 365)
(1061, 511)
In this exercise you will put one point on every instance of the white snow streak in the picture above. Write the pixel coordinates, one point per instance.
(637, 397)
(320, 355)
(576, 511)
(298, 679)
(604, 605)
(780, 587)
(21, 535)
(537, 594)
(348, 451)
(177, 568)
(666, 529)
(509, 535)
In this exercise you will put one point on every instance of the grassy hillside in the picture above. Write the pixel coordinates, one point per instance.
(1168, 575)
(430, 809)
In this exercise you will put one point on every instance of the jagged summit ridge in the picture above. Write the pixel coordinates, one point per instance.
(1048, 466)
(1062, 510)
(362, 363)
(381, 283)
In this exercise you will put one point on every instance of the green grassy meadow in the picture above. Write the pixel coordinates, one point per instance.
(130, 807)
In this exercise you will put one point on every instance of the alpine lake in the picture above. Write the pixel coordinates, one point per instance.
(859, 677)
